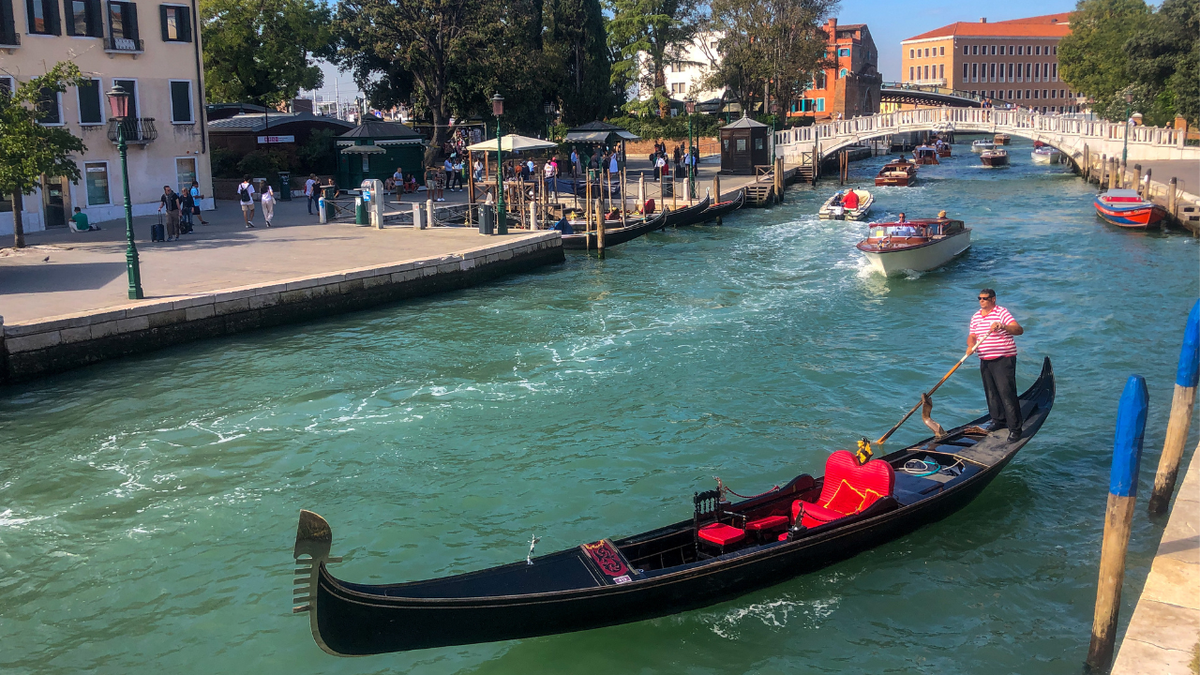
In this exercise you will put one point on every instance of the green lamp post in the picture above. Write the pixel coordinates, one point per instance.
(691, 108)
(501, 216)
(1125, 145)
(118, 103)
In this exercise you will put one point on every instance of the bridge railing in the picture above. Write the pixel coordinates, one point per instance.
(790, 142)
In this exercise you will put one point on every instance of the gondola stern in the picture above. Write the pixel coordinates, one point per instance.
(314, 539)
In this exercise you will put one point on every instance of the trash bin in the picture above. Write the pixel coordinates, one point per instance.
(285, 185)
(486, 219)
(360, 207)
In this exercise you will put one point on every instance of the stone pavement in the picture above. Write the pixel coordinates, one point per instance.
(1164, 633)
(63, 272)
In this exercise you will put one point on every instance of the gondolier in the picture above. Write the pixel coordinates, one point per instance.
(993, 328)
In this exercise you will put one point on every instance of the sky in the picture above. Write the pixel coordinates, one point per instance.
(889, 22)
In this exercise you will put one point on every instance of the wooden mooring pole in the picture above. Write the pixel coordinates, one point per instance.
(778, 171)
(717, 193)
(1182, 404)
(600, 218)
(1122, 493)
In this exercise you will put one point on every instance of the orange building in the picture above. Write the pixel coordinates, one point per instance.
(851, 88)
(1010, 61)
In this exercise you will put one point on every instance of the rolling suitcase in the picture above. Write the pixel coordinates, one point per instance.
(157, 231)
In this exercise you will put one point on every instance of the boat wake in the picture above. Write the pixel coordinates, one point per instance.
(775, 615)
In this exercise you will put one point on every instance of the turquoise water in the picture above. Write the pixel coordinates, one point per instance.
(148, 506)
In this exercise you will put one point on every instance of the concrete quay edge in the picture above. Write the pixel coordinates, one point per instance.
(1165, 627)
(30, 349)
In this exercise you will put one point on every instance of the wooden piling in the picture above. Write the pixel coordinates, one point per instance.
(778, 171)
(1114, 174)
(1087, 164)
(1186, 377)
(600, 218)
(1122, 494)
(1173, 197)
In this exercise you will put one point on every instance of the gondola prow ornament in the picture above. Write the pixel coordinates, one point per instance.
(533, 540)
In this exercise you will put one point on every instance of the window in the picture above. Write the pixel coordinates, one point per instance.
(911, 52)
(185, 173)
(974, 72)
(1037, 72)
(973, 92)
(713, 45)
(974, 49)
(926, 53)
(741, 144)
(95, 177)
(1044, 94)
(366, 163)
(820, 104)
(1026, 93)
(49, 107)
(1054, 73)
(942, 71)
(1018, 94)
(927, 72)
(42, 17)
(90, 111)
(181, 102)
(1010, 94)
(842, 72)
(942, 50)
(1010, 66)
(1037, 50)
(993, 50)
(177, 25)
(966, 70)
(843, 52)
(1020, 48)
(910, 73)
(966, 50)
(1010, 50)
(1056, 50)
(1027, 67)
(122, 23)
(84, 18)
(819, 80)
(6, 83)
(1035, 93)
(992, 72)
(991, 93)
(758, 144)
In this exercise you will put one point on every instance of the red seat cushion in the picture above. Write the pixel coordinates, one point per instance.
(848, 489)
(768, 523)
(722, 534)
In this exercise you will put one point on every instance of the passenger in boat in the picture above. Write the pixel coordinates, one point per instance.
(993, 329)
(850, 201)
(901, 219)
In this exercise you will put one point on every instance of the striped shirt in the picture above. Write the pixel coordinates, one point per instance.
(993, 345)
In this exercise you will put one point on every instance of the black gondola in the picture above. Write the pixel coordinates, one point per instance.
(688, 215)
(657, 573)
(615, 235)
(722, 209)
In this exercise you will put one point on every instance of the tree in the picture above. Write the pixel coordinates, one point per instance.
(576, 46)
(29, 150)
(1163, 63)
(1092, 59)
(261, 52)
(768, 48)
(651, 34)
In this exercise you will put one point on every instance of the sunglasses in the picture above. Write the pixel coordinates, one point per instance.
(987, 297)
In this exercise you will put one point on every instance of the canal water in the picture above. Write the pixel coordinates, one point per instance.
(148, 506)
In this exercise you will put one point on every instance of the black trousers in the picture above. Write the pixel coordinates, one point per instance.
(1000, 387)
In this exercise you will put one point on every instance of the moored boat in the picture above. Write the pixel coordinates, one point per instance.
(1001, 139)
(1126, 208)
(841, 206)
(900, 172)
(995, 157)
(914, 245)
(688, 215)
(613, 235)
(724, 550)
(981, 145)
(925, 154)
(722, 209)
(1046, 155)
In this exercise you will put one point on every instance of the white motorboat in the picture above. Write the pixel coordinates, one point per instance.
(915, 245)
(982, 145)
(835, 208)
(1046, 155)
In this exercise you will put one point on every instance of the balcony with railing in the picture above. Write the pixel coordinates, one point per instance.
(122, 45)
(138, 130)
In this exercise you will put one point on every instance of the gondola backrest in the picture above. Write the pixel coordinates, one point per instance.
(849, 487)
(707, 506)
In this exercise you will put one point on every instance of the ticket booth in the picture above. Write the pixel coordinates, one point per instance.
(745, 144)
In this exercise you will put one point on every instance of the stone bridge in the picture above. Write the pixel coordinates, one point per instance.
(1083, 141)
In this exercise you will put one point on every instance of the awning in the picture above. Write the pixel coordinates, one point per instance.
(363, 150)
(513, 142)
(599, 136)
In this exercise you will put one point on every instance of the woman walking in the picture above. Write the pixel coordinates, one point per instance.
(267, 200)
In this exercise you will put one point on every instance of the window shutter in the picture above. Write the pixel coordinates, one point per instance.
(53, 20)
(8, 28)
(162, 15)
(183, 17)
(69, 15)
(95, 19)
(130, 14)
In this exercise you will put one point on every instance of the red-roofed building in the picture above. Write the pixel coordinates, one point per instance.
(1012, 61)
(852, 87)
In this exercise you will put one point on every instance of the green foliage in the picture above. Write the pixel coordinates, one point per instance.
(29, 150)
(261, 52)
(224, 162)
(652, 127)
(656, 31)
(1092, 59)
(319, 153)
(577, 55)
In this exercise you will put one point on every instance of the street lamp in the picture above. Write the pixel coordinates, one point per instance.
(691, 108)
(118, 104)
(548, 108)
(1125, 145)
(501, 217)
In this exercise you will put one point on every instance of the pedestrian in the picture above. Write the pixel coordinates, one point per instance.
(185, 211)
(660, 166)
(431, 182)
(478, 171)
(196, 197)
(79, 222)
(398, 183)
(310, 191)
(614, 167)
(170, 201)
(267, 198)
(574, 162)
(458, 173)
(246, 199)
(992, 329)
(448, 168)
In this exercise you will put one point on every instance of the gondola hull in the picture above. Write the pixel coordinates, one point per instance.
(722, 209)
(580, 241)
(502, 603)
(688, 215)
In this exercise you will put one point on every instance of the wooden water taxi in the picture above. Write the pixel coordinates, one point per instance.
(1001, 139)
(1126, 208)
(995, 157)
(982, 145)
(914, 245)
(847, 205)
(900, 172)
(726, 549)
(925, 154)
(943, 149)
(1045, 155)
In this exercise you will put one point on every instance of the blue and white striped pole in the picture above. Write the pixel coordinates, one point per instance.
(1181, 414)
(1122, 493)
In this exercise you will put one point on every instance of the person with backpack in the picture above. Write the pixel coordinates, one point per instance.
(245, 193)
(267, 198)
(170, 202)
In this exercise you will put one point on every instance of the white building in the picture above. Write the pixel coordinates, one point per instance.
(684, 76)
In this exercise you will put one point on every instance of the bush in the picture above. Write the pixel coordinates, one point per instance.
(670, 128)
(224, 163)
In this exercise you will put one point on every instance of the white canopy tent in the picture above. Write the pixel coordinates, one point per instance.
(513, 142)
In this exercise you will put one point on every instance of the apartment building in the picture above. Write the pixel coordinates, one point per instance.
(1010, 61)
(151, 49)
(851, 87)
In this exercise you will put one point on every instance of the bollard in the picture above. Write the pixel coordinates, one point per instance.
(1182, 404)
(321, 216)
(1122, 493)
(429, 214)
(418, 221)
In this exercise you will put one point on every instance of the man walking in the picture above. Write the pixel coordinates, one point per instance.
(993, 328)
(246, 199)
(170, 201)
(196, 197)
(310, 191)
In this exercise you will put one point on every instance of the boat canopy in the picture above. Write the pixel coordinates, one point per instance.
(1122, 195)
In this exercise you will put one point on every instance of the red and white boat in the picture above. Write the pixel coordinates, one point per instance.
(916, 245)
(1126, 208)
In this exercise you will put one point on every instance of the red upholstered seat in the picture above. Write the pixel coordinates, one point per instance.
(721, 534)
(848, 489)
(768, 523)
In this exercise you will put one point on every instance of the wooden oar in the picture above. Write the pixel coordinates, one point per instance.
(927, 394)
